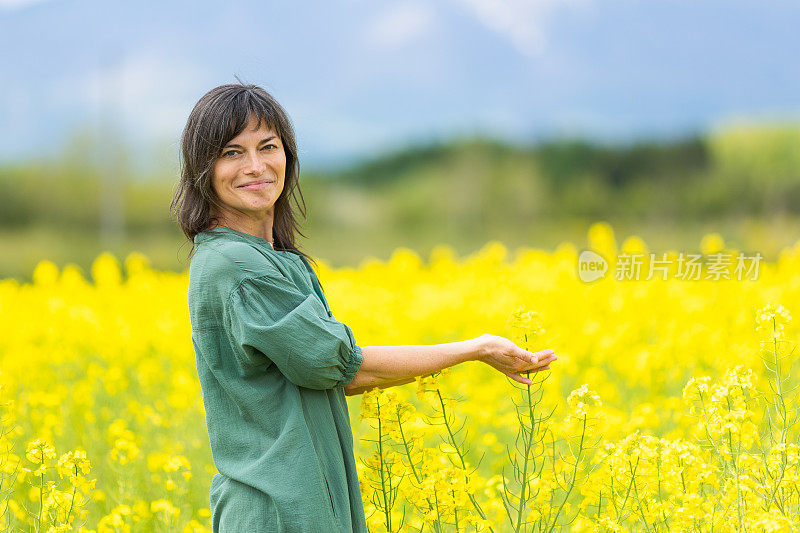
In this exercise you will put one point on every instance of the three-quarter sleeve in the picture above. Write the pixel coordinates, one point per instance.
(269, 320)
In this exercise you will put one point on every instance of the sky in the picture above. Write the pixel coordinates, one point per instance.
(362, 77)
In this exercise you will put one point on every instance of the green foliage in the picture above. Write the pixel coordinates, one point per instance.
(463, 192)
(396, 167)
(563, 162)
(760, 163)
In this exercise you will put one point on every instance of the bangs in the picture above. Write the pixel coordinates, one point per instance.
(237, 112)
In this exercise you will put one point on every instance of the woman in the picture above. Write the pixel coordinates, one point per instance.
(273, 362)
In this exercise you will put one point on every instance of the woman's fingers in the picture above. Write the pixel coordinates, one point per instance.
(535, 359)
(549, 358)
(541, 365)
(525, 355)
(518, 378)
(526, 381)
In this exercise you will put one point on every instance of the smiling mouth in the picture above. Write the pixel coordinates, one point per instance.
(255, 185)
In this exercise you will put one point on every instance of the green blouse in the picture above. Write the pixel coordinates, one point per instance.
(272, 363)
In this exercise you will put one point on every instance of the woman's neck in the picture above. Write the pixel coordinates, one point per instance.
(260, 230)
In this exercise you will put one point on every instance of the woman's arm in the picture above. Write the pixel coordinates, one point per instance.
(350, 390)
(387, 366)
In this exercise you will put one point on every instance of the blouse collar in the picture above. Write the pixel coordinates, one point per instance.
(223, 230)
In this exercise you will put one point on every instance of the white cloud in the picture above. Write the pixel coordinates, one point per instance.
(523, 22)
(146, 93)
(400, 24)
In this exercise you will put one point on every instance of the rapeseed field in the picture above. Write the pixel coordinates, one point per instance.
(672, 405)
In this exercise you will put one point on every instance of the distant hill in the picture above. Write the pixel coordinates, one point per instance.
(750, 170)
(464, 192)
(560, 162)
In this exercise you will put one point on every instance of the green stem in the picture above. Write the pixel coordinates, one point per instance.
(736, 473)
(524, 481)
(41, 494)
(574, 474)
(455, 509)
(660, 499)
(708, 432)
(437, 526)
(436, 501)
(460, 457)
(383, 483)
(72, 502)
(639, 504)
(630, 485)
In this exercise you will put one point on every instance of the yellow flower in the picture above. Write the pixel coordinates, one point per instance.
(580, 401)
(38, 451)
(124, 451)
(773, 318)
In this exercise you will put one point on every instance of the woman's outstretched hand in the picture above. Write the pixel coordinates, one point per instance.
(510, 359)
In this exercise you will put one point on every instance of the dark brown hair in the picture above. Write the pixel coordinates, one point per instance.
(219, 116)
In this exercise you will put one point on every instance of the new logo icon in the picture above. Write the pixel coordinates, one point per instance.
(591, 266)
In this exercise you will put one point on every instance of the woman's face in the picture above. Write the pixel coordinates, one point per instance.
(249, 173)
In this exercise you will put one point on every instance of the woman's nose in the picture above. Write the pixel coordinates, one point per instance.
(254, 164)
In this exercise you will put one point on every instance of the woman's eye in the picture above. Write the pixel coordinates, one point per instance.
(231, 153)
